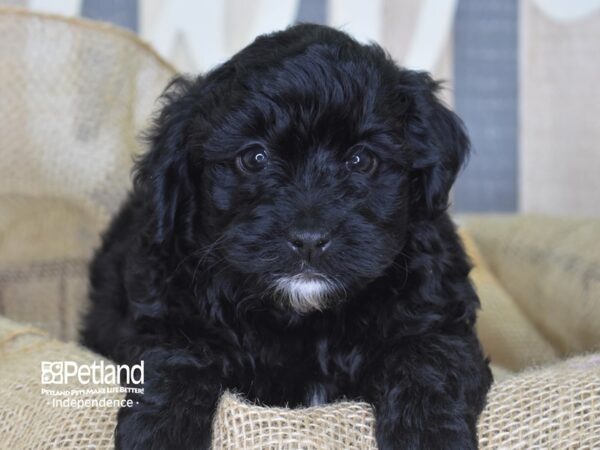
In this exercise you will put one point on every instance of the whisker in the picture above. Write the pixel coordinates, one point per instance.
(202, 254)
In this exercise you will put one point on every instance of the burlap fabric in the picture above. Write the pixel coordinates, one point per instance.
(551, 268)
(241, 425)
(507, 335)
(28, 420)
(556, 407)
(75, 95)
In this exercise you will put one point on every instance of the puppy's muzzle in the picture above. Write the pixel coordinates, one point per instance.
(309, 244)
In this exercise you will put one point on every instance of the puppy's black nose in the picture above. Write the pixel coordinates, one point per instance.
(309, 244)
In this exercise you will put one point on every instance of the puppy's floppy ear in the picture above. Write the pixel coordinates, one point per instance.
(161, 175)
(439, 141)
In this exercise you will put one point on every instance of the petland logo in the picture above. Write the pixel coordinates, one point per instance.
(98, 372)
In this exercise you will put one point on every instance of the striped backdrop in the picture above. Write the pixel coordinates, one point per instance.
(524, 75)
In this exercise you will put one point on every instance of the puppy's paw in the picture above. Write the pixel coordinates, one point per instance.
(424, 440)
(146, 429)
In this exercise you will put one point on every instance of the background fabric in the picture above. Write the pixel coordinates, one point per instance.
(521, 73)
(551, 269)
(69, 128)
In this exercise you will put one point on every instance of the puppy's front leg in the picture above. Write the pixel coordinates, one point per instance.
(430, 393)
(175, 411)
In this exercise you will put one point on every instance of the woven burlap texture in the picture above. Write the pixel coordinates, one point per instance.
(505, 332)
(28, 420)
(75, 96)
(551, 269)
(555, 407)
(344, 425)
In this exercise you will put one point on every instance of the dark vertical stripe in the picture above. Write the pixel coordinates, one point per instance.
(313, 11)
(123, 13)
(486, 97)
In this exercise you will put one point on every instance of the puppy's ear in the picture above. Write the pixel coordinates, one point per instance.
(161, 176)
(438, 139)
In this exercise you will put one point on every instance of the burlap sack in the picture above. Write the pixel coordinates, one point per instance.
(508, 337)
(240, 425)
(28, 420)
(75, 95)
(557, 407)
(551, 267)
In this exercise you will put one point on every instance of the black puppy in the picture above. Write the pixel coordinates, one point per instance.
(287, 238)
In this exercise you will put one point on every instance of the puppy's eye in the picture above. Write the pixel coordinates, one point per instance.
(253, 159)
(363, 161)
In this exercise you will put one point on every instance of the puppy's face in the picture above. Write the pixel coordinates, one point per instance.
(313, 204)
(304, 163)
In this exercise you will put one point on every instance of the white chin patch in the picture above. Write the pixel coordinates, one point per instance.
(305, 293)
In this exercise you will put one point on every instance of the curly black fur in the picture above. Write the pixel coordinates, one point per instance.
(189, 274)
